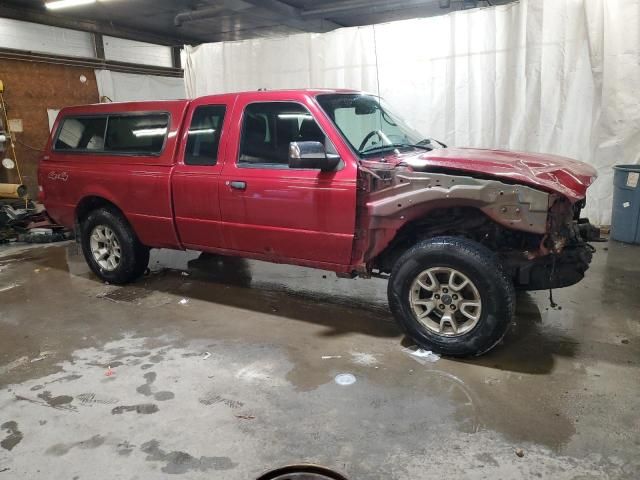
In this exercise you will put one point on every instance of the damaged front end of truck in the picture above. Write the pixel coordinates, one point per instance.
(538, 236)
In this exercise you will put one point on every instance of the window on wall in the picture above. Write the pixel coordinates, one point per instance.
(81, 133)
(204, 135)
(269, 127)
(137, 134)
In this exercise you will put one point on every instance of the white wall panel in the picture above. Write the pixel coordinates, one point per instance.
(34, 37)
(132, 51)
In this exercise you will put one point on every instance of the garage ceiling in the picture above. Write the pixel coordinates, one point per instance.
(176, 22)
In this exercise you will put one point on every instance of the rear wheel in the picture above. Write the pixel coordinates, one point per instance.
(451, 296)
(111, 247)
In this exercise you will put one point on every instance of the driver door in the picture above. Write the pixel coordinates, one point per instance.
(279, 213)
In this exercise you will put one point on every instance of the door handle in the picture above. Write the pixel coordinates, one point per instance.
(237, 185)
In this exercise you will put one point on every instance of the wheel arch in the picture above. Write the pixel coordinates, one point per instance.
(464, 222)
(89, 203)
(402, 204)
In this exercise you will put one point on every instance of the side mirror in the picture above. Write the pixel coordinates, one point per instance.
(312, 155)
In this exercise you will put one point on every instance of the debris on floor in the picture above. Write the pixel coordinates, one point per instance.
(328, 357)
(42, 356)
(206, 355)
(365, 359)
(184, 301)
(520, 452)
(245, 417)
(420, 355)
(26, 221)
(9, 287)
(4, 369)
(491, 381)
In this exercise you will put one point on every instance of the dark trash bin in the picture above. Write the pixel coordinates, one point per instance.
(625, 217)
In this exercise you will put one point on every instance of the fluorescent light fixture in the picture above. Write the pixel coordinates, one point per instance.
(289, 116)
(200, 131)
(149, 132)
(57, 4)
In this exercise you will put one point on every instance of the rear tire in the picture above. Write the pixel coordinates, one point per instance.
(111, 247)
(450, 295)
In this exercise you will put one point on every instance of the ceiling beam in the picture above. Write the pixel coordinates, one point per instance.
(291, 16)
(235, 34)
(104, 28)
(199, 14)
(354, 7)
(116, 66)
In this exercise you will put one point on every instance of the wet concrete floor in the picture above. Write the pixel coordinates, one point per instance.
(213, 367)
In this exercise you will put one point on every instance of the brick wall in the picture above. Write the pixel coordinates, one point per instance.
(31, 88)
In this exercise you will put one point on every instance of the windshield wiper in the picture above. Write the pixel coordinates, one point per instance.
(419, 145)
(394, 146)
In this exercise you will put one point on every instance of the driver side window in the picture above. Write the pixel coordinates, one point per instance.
(269, 127)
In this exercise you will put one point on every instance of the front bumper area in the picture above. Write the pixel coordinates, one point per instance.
(563, 269)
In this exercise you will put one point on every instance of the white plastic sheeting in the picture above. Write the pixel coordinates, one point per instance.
(128, 87)
(554, 76)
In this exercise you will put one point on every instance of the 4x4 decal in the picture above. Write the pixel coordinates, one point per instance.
(64, 176)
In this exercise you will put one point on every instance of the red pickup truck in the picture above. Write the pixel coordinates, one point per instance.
(330, 179)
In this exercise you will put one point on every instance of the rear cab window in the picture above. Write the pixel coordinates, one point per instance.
(114, 133)
(203, 136)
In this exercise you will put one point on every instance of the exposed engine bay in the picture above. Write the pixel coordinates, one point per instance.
(539, 237)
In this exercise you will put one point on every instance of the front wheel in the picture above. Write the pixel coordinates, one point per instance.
(451, 296)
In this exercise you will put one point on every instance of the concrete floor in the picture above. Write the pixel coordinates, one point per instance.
(218, 372)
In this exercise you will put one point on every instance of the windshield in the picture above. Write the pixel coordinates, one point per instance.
(369, 126)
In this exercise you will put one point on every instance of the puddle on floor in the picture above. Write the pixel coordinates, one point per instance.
(305, 314)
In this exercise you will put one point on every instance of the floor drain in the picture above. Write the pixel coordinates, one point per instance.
(345, 379)
(302, 472)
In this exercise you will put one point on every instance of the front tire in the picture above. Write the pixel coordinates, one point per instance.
(451, 296)
(111, 247)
